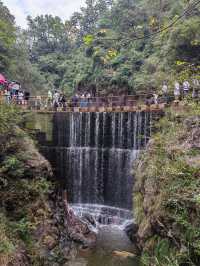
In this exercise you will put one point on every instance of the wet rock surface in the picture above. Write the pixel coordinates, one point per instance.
(131, 231)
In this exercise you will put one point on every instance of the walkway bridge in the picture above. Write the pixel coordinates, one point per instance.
(129, 103)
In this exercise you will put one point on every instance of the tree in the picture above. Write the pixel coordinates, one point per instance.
(7, 36)
(46, 34)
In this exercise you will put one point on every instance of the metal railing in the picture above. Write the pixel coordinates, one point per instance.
(91, 103)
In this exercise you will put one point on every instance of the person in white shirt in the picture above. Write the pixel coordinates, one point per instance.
(56, 97)
(88, 96)
(177, 90)
(195, 82)
(7, 96)
(155, 98)
(49, 98)
(165, 91)
(186, 87)
(165, 88)
(21, 98)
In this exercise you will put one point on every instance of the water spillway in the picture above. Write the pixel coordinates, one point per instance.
(93, 154)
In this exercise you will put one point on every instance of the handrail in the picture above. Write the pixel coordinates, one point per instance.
(42, 102)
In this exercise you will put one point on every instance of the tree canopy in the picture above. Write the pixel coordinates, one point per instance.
(109, 46)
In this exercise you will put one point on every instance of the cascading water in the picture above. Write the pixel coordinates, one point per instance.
(103, 215)
(93, 154)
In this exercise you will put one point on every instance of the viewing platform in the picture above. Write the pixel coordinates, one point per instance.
(129, 103)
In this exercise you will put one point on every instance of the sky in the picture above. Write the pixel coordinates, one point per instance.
(22, 8)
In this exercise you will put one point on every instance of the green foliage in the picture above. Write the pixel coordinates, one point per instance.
(12, 166)
(24, 191)
(7, 246)
(9, 117)
(97, 49)
(171, 168)
(88, 39)
(38, 187)
(7, 36)
(23, 228)
(146, 260)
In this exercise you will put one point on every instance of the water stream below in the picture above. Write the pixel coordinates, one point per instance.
(109, 223)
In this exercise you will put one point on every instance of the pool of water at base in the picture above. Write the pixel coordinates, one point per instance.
(100, 258)
(109, 240)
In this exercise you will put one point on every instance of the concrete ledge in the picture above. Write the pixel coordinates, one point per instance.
(118, 109)
(102, 109)
(127, 108)
(139, 108)
(76, 109)
(109, 109)
(93, 109)
(84, 110)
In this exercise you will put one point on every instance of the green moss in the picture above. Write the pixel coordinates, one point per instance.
(138, 210)
(41, 122)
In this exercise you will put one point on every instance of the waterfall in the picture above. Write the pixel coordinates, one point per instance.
(93, 154)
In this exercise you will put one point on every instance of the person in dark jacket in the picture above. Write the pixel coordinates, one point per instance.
(62, 101)
(26, 97)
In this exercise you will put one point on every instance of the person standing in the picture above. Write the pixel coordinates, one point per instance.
(56, 97)
(83, 101)
(7, 96)
(155, 98)
(196, 87)
(49, 98)
(62, 101)
(186, 88)
(88, 96)
(177, 91)
(26, 97)
(21, 98)
(75, 100)
(165, 92)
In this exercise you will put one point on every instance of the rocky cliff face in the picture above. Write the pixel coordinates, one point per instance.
(26, 224)
(36, 225)
(167, 191)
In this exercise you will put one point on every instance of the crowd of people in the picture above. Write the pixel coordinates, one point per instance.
(187, 88)
(57, 99)
(11, 92)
